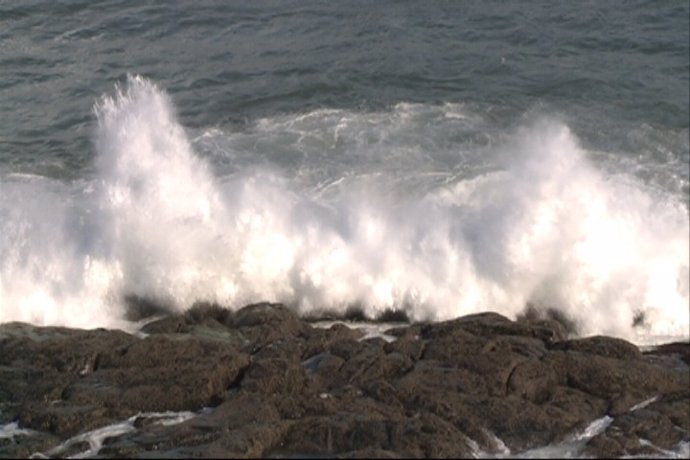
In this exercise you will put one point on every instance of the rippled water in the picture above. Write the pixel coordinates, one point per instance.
(619, 75)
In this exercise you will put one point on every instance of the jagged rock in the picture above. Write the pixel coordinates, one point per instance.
(168, 325)
(84, 379)
(609, 347)
(274, 375)
(660, 425)
(264, 323)
(413, 348)
(159, 373)
(614, 380)
(272, 384)
(680, 349)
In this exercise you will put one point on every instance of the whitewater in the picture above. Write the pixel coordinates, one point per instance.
(425, 208)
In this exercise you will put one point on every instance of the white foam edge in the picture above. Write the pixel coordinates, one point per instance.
(644, 403)
(570, 448)
(96, 438)
(370, 330)
(10, 430)
(682, 450)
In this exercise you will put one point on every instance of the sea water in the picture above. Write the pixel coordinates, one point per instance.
(438, 158)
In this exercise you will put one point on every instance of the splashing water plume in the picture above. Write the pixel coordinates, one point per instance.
(543, 227)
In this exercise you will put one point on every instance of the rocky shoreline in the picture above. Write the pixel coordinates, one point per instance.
(263, 382)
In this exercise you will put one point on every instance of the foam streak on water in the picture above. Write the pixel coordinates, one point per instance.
(96, 438)
(12, 430)
(386, 221)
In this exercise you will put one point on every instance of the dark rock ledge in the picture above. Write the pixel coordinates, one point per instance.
(280, 387)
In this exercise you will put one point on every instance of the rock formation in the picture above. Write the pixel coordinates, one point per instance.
(264, 382)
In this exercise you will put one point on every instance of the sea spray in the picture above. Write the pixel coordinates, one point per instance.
(161, 218)
(51, 271)
(332, 208)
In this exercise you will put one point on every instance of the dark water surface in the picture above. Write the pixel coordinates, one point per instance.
(616, 71)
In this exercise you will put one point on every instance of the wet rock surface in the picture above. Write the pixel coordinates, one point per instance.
(263, 382)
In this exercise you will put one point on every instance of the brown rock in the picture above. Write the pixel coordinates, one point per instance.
(611, 379)
(662, 424)
(273, 385)
(264, 323)
(609, 347)
(274, 376)
(678, 349)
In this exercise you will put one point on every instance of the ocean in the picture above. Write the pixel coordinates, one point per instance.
(434, 158)
(438, 158)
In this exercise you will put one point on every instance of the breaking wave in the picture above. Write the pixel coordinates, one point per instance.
(421, 208)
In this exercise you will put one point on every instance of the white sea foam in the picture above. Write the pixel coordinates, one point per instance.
(96, 438)
(369, 330)
(422, 208)
(570, 448)
(11, 430)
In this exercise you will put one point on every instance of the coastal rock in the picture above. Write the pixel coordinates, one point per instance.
(84, 379)
(655, 427)
(609, 347)
(263, 382)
